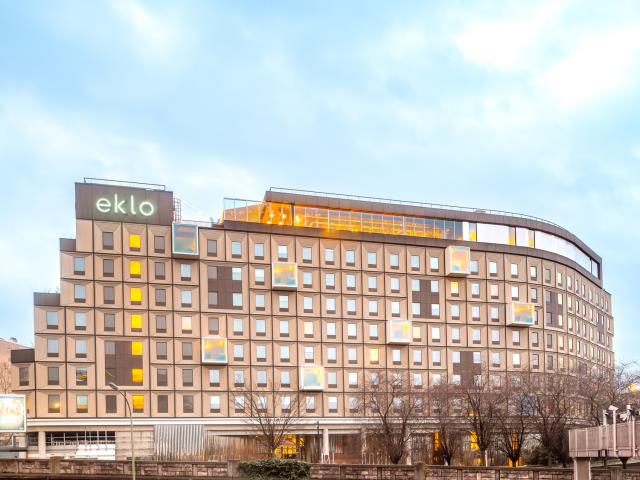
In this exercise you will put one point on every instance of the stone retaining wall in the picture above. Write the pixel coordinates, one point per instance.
(59, 469)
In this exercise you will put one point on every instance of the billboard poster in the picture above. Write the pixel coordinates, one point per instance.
(185, 239)
(13, 413)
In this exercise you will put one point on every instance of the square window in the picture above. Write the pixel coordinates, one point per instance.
(258, 251)
(135, 295)
(52, 320)
(394, 260)
(136, 322)
(330, 280)
(136, 348)
(138, 403)
(434, 263)
(108, 267)
(186, 324)
(306, 254)
(236, 273)
(237, 300)
(373, 331)
(283, 252)
(329, 255)
(473, 266)
(134, 269)
(78, 266)
(395, 284)
(185, 298)
(435, 334)
(372, 259)
(493, 268)
(134, 241)
(136, 375)
(79, 293)
(107, 240)
(331, 305)
(53, 402)
(415, 262)
(81, 377)
(284, 328)
(158, 244)
(185, 271)
(283, 302)
(212, 248)
(53, 376)
(350, 257)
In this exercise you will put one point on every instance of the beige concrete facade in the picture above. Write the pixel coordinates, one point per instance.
(122, 285)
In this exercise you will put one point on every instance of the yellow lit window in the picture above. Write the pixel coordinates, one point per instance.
(136, 322)
(134, 241)
(135, 295)
(136, 348)
(134, 268)
(138, 403)
(373, 355)
(455, 288)
(136, 375)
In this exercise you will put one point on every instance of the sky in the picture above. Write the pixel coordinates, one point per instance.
(530, 107)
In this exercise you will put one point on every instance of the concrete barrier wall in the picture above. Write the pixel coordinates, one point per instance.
(58, 468)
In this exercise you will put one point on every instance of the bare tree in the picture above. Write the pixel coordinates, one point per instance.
(271, 414)
(550, 400)
(601, 387)
(482, 402)
(5, 377)
(396, 411)
(446, 407)
(514, 421)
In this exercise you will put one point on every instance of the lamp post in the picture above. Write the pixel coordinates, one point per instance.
(614, 411)
(128, 405)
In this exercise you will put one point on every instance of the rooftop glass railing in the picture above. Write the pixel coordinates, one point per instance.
(285, 214)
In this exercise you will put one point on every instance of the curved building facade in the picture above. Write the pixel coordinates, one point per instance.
(304, 294)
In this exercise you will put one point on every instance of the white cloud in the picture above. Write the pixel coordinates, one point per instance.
(508, 43)
(599, 64)
(155, 35)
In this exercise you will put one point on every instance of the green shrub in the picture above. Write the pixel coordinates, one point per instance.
(274, 469)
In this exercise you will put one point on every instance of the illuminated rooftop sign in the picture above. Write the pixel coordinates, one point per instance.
(123, 204)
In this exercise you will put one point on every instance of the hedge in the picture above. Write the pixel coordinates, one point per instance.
(274, 469)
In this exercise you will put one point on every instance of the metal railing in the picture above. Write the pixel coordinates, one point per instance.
(125, 183)
(414, 204)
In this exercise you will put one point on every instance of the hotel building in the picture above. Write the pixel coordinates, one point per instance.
(304, 294)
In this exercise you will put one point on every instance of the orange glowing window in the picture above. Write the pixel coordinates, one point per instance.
(136, 348)
(138, 403)
(136, 375)
(136, 322)
(135, 295)
(134, 268)
(134, 241)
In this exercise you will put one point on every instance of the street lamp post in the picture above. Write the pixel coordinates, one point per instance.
(128, 405)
